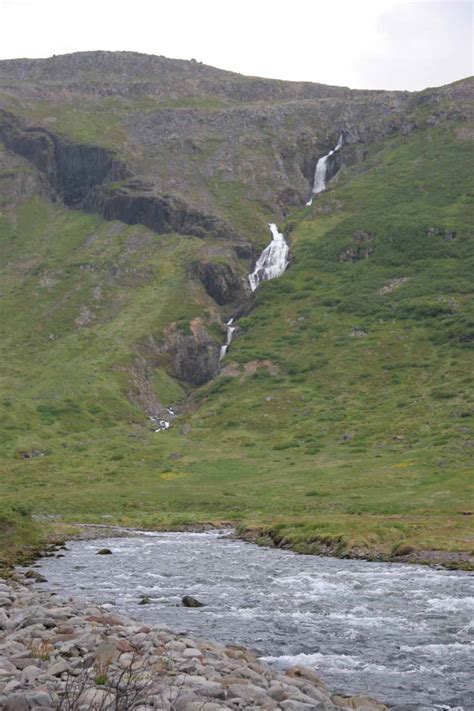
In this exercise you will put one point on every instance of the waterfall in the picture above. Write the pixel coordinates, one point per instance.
(230, 334)
(319, 183)
(272, 262)
(160, 424)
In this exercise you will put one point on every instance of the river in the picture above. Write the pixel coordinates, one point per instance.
(401, 633)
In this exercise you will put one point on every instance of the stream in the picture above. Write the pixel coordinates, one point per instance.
(401, 633)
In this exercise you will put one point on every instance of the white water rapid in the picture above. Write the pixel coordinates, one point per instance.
(272, 262)
(320, 182)
(402, 633)
(230, 335)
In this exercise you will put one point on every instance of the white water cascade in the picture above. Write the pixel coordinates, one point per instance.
(320, 182)
(272, 262)
(230, 334)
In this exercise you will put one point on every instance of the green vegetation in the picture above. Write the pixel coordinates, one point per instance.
(355, 434)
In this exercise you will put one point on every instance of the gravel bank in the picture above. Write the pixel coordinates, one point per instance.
(61, 654)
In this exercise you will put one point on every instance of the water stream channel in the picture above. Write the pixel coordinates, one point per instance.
(401, 633)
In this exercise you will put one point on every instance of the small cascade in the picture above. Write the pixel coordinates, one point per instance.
(159, 423)
(320, 181)
(230, 334)
(272, 262)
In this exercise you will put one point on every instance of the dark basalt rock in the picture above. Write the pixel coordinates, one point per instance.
(244, 250)
(195, 357)
(82, 176)
(136, 204)
(104, 551)
(220, 281)
(189, 601)
(71, 169)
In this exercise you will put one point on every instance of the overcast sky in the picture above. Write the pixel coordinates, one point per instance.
(368, 44)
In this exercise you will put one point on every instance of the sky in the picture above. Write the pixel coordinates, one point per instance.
(364, 44)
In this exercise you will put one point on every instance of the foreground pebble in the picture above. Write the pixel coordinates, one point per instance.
(58, 654)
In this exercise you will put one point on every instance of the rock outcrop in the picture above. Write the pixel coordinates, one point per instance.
(91, 178)
(71, 169)
(221, 281)
(190, 353)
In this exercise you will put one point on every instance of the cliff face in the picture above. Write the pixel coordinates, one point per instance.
(192, 142)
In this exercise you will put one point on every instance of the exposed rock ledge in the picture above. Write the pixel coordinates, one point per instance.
(61, 654)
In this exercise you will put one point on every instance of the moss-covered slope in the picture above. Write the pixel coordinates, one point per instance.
(342, 419)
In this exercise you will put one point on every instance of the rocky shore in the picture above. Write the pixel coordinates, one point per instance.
(64, 654)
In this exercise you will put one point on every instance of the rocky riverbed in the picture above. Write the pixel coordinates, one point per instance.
(57, 653)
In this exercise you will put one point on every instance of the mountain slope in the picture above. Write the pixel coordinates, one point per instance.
(341, 419)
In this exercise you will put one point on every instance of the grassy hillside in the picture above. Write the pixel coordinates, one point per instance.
(343, 418)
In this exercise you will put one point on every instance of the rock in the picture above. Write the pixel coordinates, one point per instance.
(4, 620)
(12, 685)
(189, 601)
(34, 575)
(95, 698)
(175, 645)
(306, 673)
(191, 353)
(58, 668)
(220, 281)
(291, 705)
(144, 600)
(104, 551)
(23, 662)
(6, 667)
(29, 675)
(18, 702)
(361, 247)
(244, 250)
(106, 653)
(32, 454)
(250, 693)
(209, 688)
(191, 653)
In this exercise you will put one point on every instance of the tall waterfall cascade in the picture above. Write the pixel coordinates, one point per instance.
(272, 262)
(320, 182)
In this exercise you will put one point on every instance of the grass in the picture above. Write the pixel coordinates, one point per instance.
(361, 441)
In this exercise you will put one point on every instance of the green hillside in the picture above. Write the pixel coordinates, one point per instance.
(343, 417)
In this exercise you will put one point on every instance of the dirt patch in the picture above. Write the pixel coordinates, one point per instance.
(392, 285)
(252, 366)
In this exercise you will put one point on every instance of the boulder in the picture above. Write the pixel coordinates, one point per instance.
(189, 601)
(37, 577)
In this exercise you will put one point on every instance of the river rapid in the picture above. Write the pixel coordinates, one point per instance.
(401, 633)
